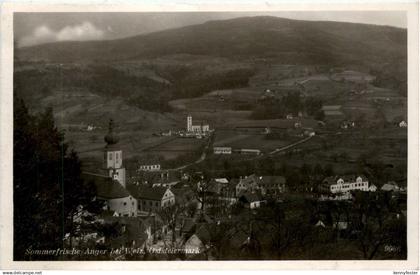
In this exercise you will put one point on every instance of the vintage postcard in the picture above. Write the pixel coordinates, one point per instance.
(271, 137)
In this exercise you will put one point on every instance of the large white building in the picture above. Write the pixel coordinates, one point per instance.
(349, 183)
(200, 128)
(149, 167)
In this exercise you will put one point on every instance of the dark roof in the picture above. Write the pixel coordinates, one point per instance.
(145, 192)
(203, 233)
(272, 180)
(250, 197)
(135, 230)
(106, 187)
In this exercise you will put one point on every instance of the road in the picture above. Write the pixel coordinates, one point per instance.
(204, 154)
(201, 159)
(290, 145)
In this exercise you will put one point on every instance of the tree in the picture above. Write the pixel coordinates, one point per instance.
(48, 189)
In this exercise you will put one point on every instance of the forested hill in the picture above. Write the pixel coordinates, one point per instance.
(294, 41)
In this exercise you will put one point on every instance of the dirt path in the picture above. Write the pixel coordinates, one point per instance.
(289, 146)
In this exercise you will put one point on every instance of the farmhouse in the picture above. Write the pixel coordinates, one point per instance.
(217, 150)
(201, 128)
(152, 199)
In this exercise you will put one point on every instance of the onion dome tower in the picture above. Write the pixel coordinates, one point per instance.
(113, 161)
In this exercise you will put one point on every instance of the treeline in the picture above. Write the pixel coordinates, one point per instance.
(291, 103)
(392, 77)
(187, 83)
(47, 184)
(142, 92)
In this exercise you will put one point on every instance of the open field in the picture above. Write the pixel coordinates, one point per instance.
(243, 140)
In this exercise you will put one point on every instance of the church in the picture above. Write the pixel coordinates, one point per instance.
(201, 128)
(111, 184)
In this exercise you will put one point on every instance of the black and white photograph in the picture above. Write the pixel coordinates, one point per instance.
(211, 136)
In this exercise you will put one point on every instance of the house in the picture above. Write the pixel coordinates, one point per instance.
(347, 184)
(218, 150)
(320, 224)
(116, 198)
(249, 183)
(403, 124)
(132, 232)
(266, 185)
(149, 167)
(183, 195)
(200, 240)
(152, 199)
(272, 185)
(251, 200)
(341, 225)
(390, 187)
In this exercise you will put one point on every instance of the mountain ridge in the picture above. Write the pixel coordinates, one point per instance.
(259, 36)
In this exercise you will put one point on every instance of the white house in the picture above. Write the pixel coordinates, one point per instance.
(403, 124)
(222, 150)
(152, 199)
(149, 167)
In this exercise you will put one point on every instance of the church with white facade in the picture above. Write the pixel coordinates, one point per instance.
(201, 128)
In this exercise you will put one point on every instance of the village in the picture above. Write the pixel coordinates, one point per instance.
(192, 215)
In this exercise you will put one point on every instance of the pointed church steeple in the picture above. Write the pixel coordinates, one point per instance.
(111, 138)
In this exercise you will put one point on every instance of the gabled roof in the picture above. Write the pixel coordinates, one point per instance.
(203, 233)
(146, 192)
(106, 187)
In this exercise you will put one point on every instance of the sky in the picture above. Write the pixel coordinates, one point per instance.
(37, 28)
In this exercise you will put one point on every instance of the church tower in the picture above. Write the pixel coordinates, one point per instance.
(189, 123)
(113, 161)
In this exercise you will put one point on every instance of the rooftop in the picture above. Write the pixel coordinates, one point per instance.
(106, 187)
(146, 192)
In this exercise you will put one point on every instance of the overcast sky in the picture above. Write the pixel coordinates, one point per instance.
(36, 28)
